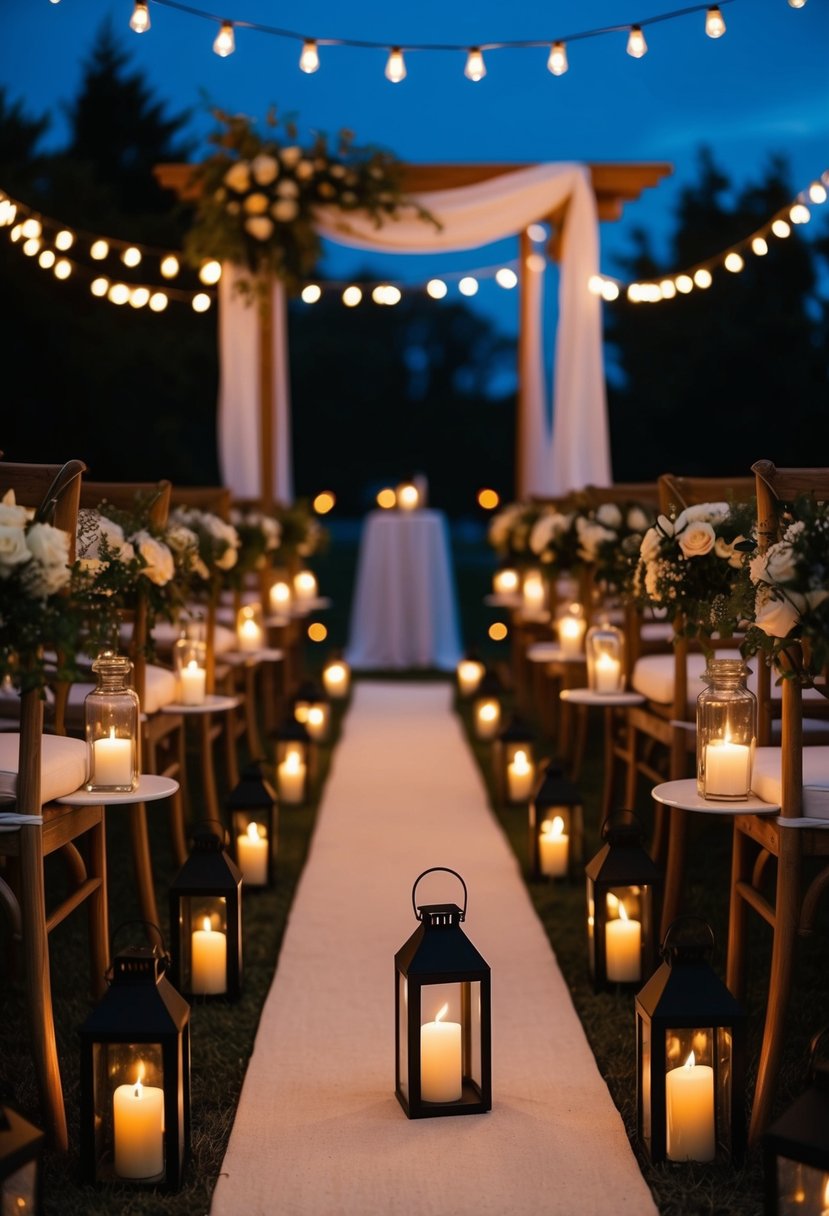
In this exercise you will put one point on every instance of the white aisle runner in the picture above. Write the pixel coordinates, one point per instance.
(318, 1131)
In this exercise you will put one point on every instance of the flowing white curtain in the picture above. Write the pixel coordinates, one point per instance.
(577, 452)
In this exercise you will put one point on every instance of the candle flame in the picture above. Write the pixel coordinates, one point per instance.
(558, 826)
(691, 1061)
(442, 1012)
(253, 831)
(316, 715)
(488, 711)
(206, 925)
(138, 1088)
(292, 762)
(623, 915)
(826, 1192)
(193, 665)
(520, 759)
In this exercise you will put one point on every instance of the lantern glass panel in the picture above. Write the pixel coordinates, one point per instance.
(645, 1069)
(203, 938)
(450, 1040)
(250, 633)
(698, 1091)
(128, 1096)
(801, 1189)
(402, 1034)
(255, 846)
(18, 1192)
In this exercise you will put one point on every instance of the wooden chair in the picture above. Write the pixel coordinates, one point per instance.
(780, 866)
(38, 769)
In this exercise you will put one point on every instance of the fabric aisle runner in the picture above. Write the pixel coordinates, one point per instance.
(318, 1131)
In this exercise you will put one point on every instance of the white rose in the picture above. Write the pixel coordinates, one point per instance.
(46, 580)
(665, 525)
(609, 515)
(780, 562)
(181, 538)
(287, 189)
(11, 513)
(696, 539)
(160, 566)
(13, 549)
(651, 573)
(272, 530)
(256, 204)
(265, 169)
(777, 616)
(702, 512)
(650, 545)
(259, 227)
(237, 176)
(49, 545)
(290, 156)
(89, 542)
(637, 519)
(285, 210)
(591, 537)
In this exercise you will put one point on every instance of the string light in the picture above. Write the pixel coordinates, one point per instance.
(352, 295)
(225, 43)
(309, 60)
(637, 47)
(131, 256)
(714, 22)
(557, 62)
(311, 293)
(797, 3)
(395, 66)
(703, 278)
(140, 19)
(475, 67)
(436, 289)
(733, 262)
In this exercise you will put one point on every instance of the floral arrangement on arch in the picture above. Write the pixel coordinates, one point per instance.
(259, 194)
(694, 566)
(790, 584)
(35, 609)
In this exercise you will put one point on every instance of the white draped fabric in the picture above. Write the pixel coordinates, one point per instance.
(577, 452)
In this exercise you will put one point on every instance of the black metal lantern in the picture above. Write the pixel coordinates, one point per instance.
(796, 1148)
(21, 1154)
(690, 1055)
(443, 1015)
(254, 826)
(513, 762)
(135, 1077)
(469, 673)
(624, 887)
(312, 707)
(206, 921)
(486, 707)
(556, 824)
(295, 761)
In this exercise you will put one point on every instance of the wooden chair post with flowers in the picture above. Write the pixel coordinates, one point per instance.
(37, 769)
(780, 865)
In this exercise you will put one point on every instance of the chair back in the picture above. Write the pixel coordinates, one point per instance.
(621, 492)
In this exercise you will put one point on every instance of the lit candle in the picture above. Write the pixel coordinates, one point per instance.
(470, 674)
(209, 950)
(252, 853)
(487, 719)
(570, 633)
(727, 769)
(534, 592)
(408, 498)
(553, 846)
(689, 1103)
(305, 585)
(623, 948)
(112, 762)
(290, 775)
(193, 684)
(335, 677)
(249, 635)
(505, 582)
(606, 673)
(138, 1129)
(279, 597)
(441, 1078)
(316, 722)
(520, 776)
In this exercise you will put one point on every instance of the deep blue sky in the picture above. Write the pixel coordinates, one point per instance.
(760, 89)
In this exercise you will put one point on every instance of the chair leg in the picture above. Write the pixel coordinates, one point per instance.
(208, 765)
(780, 981)
(674, 866)
(735, 970)
(97, 911)
(142, 863)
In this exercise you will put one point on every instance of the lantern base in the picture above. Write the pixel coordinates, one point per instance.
(471, 1102)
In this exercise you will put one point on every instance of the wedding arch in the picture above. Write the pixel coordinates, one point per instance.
(475, 205)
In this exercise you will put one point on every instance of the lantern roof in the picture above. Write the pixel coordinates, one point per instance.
(20, 1140)
(252, 791)
(553, 788)
(802, 1131)
(686, 992)
(290, 729)
(209, 869)
(140, 1000)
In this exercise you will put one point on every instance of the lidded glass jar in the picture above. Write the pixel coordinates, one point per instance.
(726, 731)
(190, 661)
(112, 713)
(605, 649)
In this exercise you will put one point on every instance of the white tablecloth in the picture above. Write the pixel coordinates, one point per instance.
(404, 612)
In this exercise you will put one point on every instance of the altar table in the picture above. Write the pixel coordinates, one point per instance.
(404, 613)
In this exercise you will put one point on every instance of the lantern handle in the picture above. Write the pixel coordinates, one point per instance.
(445, 870)
(667, 945)
(163, 952)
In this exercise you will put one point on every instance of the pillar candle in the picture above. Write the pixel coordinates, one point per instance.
(441, 1077)
(112, 761)
(279, 597)
(623, 948)
(487, 719)
(252, 853)
(316, 722)
(209, 955)
(193, 684)
(470, 674)
(336, 679)
(689, 1110)
(305, 585)
(138, 1130)
(606, 673)
(534, 593)
(505, 582)
(249, 635)
(520, 777)
(553, 847)
(727, 769)
(570, 633)
(290, 776)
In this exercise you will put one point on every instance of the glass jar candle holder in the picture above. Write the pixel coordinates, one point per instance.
(604, 646)
(250, 634)
(534, 591)
(190, 663)
(305, 586)
(571, 626)
(726, 731)
(112, 715)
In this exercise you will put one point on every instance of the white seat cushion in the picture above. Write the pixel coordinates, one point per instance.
(653, 677)
(656, 631)
(63, 765)
(766, 781)
(161, 689)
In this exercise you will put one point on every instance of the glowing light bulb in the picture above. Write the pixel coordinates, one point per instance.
(475, 67)
(714, 23)
(668, 289)
(595, 284)
(781, 228)
(224, 43)
(140, 19)
(760, 246)
(31, 247)
(703, 278)
(140, 297)
(352, 296)
(468, 286)
(98, 250)
(506, 278)
(63, 269)
(557, 62)
(131, 256)
(636, 47)
(201, 302)
(817, 193)
(99, 287)
(158, 301)
(46, 260)
(309, 59)
(311, 293)
(64, 240)
(118, 293)
(733, 262)
(395, 66)
(684, 283)
(210, 273)
(169, 266)
(436, 288)
(797, 3)
(610, 291)
(537, 233)
(800, 214)
(31, 228)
